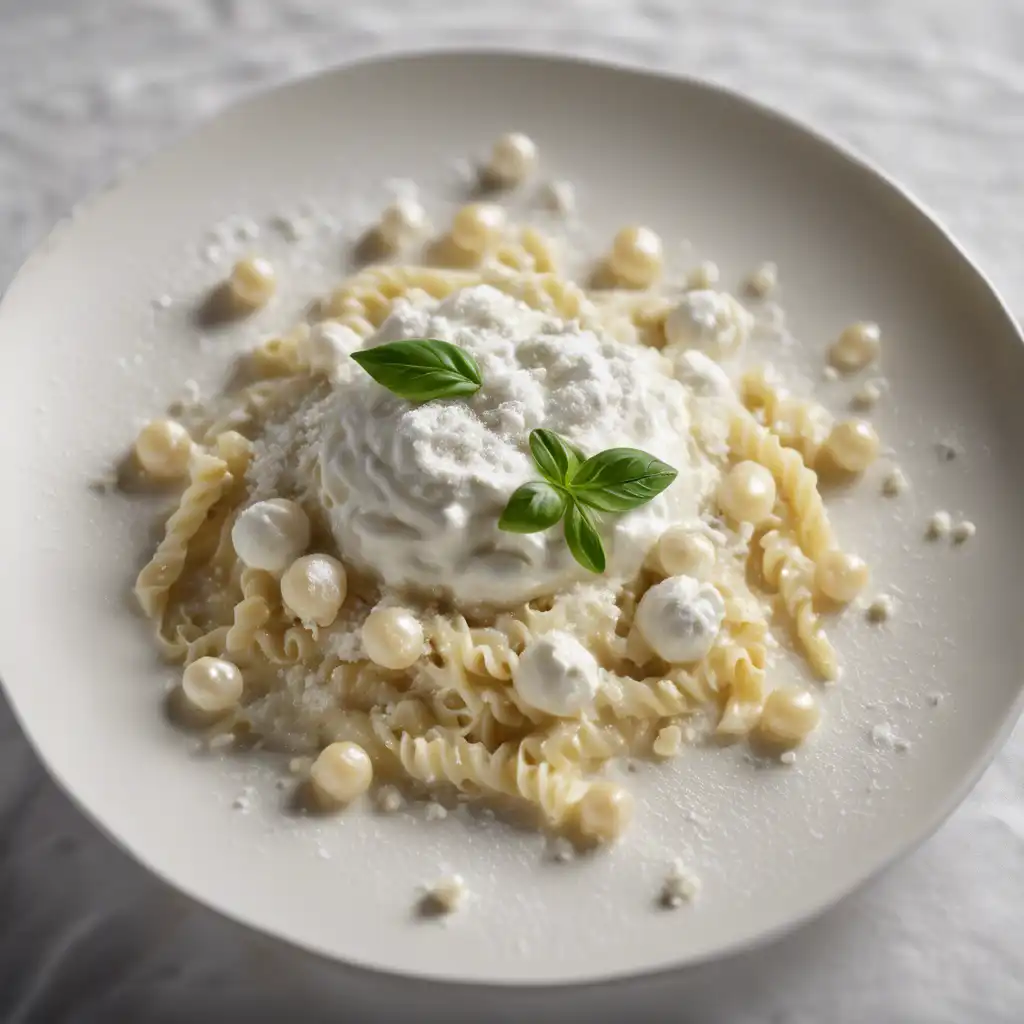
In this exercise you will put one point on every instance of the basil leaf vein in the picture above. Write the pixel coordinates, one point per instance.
(621, 479)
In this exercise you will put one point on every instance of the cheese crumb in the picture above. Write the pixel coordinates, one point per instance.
(669, 741)
(560, 198)
(680, 886)
(788, 757)
(939, 526)
(703, 276)
(830, 373)
(562, 850)
(895, 483)
(444, 897)
(963, 532)
(389, 799)
(885, 737)
(436, 812)
(867, 395)
(763, 281)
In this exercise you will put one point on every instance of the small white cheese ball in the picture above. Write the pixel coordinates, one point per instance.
(313, 588)
(857, 346)
(393, 638)
(636, 256)
(271, 534)
(341, 772)
(605, 811)
(513, 158)
(841, 576)
(700, 373)
(681, 551)
(212, 685)
(711, 321)
(853, 445)
(790, 714)
(557, 674)
(163, 449)
(252, 281)
(327, 347)
(478, 226)
(747, 493)
(401, 222)
(680, 618)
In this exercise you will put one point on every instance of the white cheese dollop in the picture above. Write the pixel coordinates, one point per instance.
(680, 618)
(271, 534)
(711, 321)
(557, 674)
(701, 374)
(414, 490)
(328, 346)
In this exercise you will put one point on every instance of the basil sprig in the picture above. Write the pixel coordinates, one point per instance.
(615, 480)
(421, 369)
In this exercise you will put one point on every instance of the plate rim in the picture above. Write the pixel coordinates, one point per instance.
(854, 159)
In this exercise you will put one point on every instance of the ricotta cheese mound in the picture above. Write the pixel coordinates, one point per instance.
(414, 491)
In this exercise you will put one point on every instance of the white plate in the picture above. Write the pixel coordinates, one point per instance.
(84, 356)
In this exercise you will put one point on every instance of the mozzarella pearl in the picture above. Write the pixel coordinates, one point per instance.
(393, 638)
(853, 445)
(636, 256)
(341, 772)
(841, 576)
(605, 811)
(163, 449)
(790, 714)
(252, 281)
(711, 321)
(212, 685)
(313, 588)
(513, 158)
(478, 226)
(557, 674)
(747, 493)
(327, 347)
(857, 346)
(402, 221)
(271, 534)
(680, 618)
(683, 552)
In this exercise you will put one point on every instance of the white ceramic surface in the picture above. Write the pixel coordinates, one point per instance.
(772, 846)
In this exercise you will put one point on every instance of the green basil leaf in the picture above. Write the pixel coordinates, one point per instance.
(621, 479)
(533, 507)
(556, 458)
(583, 539)
(421, 369)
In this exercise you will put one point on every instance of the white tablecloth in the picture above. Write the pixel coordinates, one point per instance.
(931, 89)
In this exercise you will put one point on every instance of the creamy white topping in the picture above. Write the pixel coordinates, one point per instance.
(711, 321)
(701, 374)
(557, 674)
(680, 618)
(328, 346)
(414, 491)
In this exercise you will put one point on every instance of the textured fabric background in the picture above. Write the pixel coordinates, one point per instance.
(933, 90)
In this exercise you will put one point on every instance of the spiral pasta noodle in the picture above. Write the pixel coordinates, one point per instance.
(209, 478)
(798, 485)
